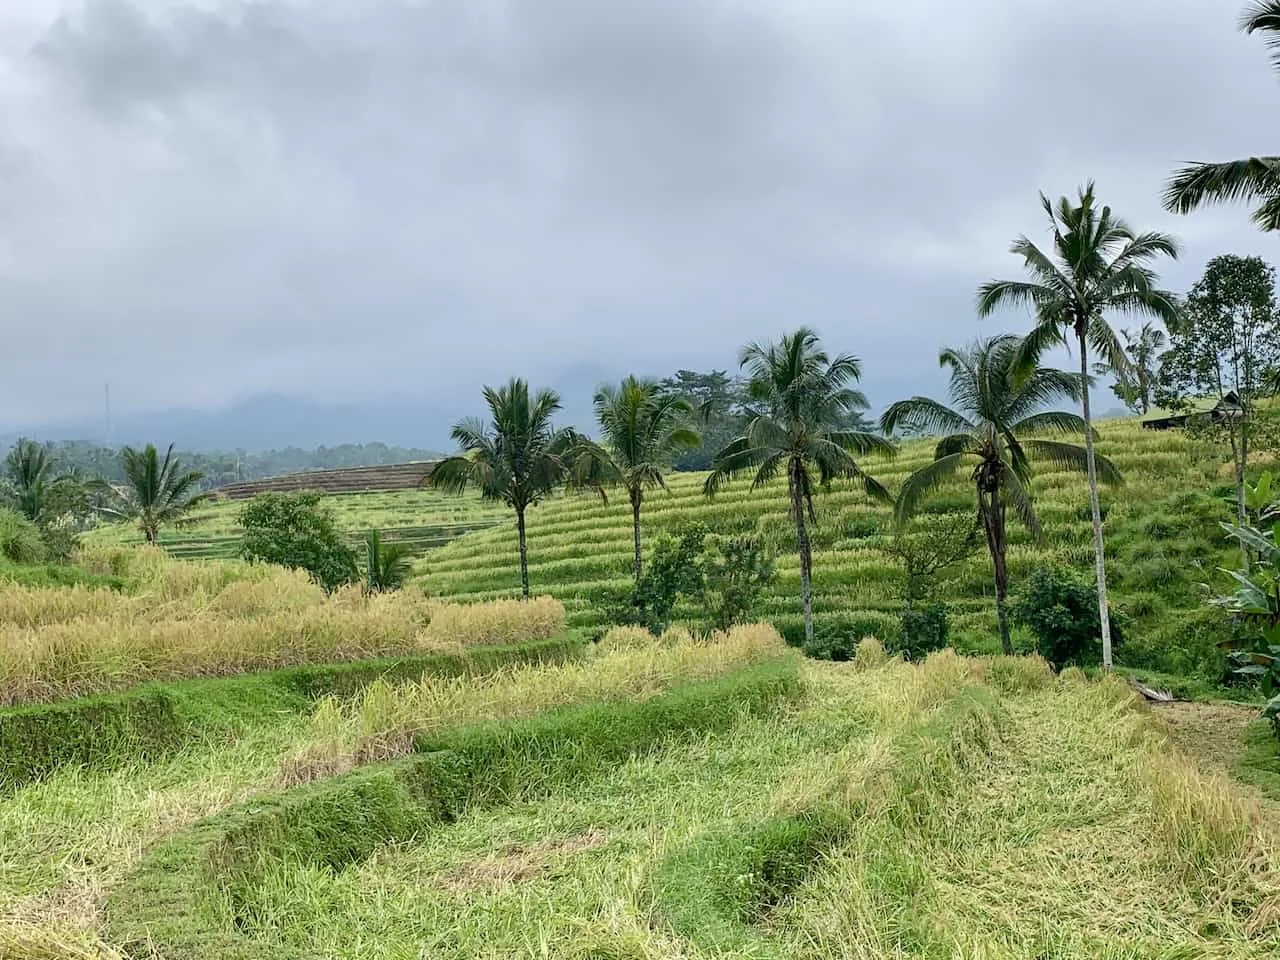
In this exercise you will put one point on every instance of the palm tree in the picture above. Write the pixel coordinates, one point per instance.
(1141, 349)
(643, 429)
(387, 564)
(155, 492)
(29, 468)
(991, 424)
(518, 457)
(801, 398)
(1251, 179)
(1098, 263)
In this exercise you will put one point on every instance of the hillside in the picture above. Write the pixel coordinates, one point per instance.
(1161, 525)
(421, 518)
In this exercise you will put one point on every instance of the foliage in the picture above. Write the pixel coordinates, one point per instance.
(294, 530)
(518, 457)
(386, 565)
(996, 425)
(1099, 264)
(1061, 611)
(928, 548)
(675, 570)
(20, 540)
(1227, 341)
(1255, 179)
(838, 636)
(801, 398)
(736, 571)
(1135, 384)
(719, 405)
(642, 430)
(1256, 601)
(155, 492)
(923, 630)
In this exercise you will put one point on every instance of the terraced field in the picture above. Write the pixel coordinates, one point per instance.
(423, 519)
(1161, 525)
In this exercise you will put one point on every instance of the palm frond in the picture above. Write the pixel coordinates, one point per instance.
(922, 414)
(1048, 421)
(1069, 456)
(924, 481)
(1198, 184)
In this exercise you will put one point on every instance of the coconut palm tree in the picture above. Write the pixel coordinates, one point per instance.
(992, 426)
(29, 471)
(801, 399)
(1142, 349)
(1097, 264)
(1253, 179)
(518, 457)
(155, 492)
(642, 430)
(387, 564)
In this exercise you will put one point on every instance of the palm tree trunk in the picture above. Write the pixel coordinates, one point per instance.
(806, 561)
(636, 496)
(991, 512)
(524, 553)
(1099, 554)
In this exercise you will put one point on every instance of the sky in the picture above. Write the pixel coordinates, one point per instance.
(367, 201)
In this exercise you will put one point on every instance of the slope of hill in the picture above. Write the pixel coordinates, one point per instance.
(1163, 540)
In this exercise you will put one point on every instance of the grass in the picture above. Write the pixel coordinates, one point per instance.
(178, 620)
(959, 808)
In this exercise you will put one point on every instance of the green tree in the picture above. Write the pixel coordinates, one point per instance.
(295, 530)
(642, 430)
(1136, 383)
(800, 398)
(1098, 264)
(387, 564)
(717, 400)
(992, 426)
(1253, 179)
(518, 457)
(1227, 342)
(155, 492)
(29, 469)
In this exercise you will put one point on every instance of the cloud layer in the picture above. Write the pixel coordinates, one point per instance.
(351, 199)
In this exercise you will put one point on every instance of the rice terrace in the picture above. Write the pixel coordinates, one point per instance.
(737, 665)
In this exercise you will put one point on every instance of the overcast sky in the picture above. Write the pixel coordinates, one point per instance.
(349, 199)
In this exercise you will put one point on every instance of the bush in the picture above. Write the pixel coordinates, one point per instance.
(923, 629)
(293, 530)
(674, 570)
(60, 541)
(735, 572)
(1061, 610)
(836, 636)
(20, 540)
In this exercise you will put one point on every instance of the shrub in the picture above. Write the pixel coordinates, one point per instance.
(387, 565)
(293, 530)
(836, 636)
(674, 570)
(923, 629)
(736, 571)
(20, 540)
(1061, 610)
(60, 541)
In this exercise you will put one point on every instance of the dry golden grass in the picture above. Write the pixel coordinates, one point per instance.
(501, 621)
(384, 721)
(183, 619)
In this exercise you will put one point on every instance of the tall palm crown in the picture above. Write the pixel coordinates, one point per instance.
(642, 430)
(156, 492)
(1098, 264)
(995, 425)
(1253, 179)
(518, 457)
(801, 398)
(29, 468)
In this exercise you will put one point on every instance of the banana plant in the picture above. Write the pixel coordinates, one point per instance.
(1256, 600)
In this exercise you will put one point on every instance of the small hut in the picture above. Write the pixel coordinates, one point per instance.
(1213, 409)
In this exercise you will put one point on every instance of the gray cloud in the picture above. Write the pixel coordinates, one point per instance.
(200, 202)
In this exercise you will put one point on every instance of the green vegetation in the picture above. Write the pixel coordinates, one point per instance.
(1099, 264)
(155, 492)
(802, 399)
(998, 412)
(518, 458)
(294, 530)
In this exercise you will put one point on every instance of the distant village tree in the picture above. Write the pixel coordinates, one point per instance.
(1226, 346)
